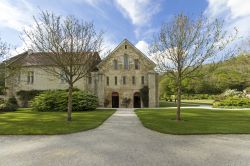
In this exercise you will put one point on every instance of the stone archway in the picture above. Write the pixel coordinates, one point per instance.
(137, 100)
(115, 100)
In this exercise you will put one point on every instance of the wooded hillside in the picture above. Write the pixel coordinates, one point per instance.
(231, 74)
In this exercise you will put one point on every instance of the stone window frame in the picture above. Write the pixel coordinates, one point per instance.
(62, 77)
(30, 77)
(90, 80)
(124, 80)
(133, 80)
(116, 80)
(115, 64)
(19, 77)
(107, 80)
(137, 64)
(142, 80)
(126, 61)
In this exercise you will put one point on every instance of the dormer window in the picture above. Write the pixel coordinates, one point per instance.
(126, 63)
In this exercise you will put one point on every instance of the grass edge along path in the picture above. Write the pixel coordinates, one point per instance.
(27, 122)
(196, 121)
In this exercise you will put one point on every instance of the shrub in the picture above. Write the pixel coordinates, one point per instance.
(25, 96)
(10, 105)
(197, 96)
(106, 102)
(57, 101)
(126, 101)
(1, 101)
(247, 90)
(232, 92)
(233, 101)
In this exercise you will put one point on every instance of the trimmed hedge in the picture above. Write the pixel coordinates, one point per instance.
(57, 101)
(233, 102)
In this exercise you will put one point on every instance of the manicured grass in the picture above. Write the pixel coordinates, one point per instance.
(186, 103)
(196, 121)
(173, 104)
(25, 121)
(203, 101)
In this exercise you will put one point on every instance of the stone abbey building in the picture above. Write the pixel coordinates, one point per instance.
(117, 80)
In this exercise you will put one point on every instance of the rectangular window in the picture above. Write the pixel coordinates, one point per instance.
(137, 65)
(142, 79)
(125, 46)
(30, 78)
(90, 80)
(62, 77)
(126, 63)
(124, 80)
(115, 80)
(107, 81)
(115, 64)
(18, 77)
(133, 80)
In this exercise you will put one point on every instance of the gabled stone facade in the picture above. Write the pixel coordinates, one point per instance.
(117, 80)
(122, 74)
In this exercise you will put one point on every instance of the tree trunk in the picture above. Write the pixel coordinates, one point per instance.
(178, 112)
(70, 102)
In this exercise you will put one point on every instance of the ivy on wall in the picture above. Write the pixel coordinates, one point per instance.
(144, 94)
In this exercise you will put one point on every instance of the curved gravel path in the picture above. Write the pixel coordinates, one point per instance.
(123, 141)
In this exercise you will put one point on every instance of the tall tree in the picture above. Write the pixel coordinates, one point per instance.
(4, 49)
(184, 45)
(71, 47)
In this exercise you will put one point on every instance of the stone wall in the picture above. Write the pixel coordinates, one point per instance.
(146, 69)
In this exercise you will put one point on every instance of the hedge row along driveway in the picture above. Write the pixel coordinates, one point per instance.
(196, 121)
(27, 122)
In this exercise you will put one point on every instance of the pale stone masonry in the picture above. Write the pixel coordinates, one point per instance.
(119, 76)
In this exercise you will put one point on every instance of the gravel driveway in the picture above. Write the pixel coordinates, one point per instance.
(122, 140)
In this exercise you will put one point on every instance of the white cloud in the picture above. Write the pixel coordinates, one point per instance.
(15, 15)
(143, 46)
(139, 11)
(236, 13)
(108, 45)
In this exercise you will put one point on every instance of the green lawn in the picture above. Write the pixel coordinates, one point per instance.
(186, 103)
(173, 104)
(25, 121)
(196, 121)
(203, 101)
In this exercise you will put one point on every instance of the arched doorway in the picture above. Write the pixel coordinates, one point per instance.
(137, 100)
(115, 100)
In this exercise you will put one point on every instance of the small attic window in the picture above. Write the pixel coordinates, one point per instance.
(125, 46)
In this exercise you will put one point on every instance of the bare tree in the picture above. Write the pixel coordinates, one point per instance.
(4, 49)
(184, 45)
(70, 47)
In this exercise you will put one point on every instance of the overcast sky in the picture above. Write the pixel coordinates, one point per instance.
(136, 20)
